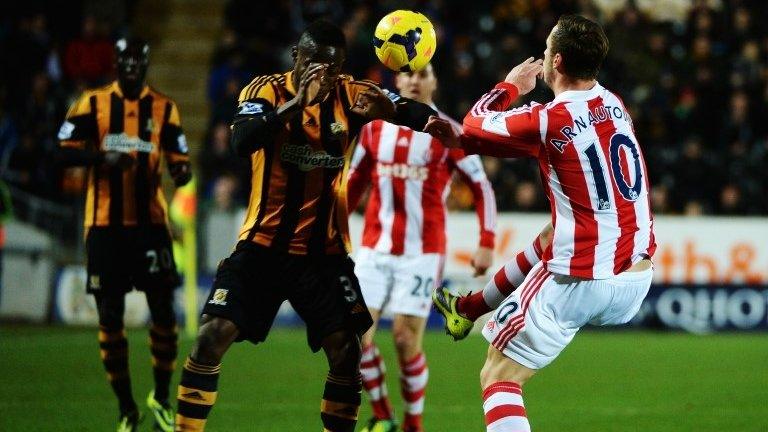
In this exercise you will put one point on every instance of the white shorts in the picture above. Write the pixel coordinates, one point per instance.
(536, 322)
(400, 284)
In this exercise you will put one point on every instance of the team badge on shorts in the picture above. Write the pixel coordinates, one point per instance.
(95, 282)
(219, 297)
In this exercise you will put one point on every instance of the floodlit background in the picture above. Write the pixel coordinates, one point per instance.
(694, 76)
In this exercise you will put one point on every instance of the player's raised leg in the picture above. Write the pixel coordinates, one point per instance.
(408, 332)
(460, 312)
(200, 375)
(113, 347)
(506, 279)
(163, 344)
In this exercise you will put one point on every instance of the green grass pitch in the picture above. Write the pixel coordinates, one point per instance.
(51, 380)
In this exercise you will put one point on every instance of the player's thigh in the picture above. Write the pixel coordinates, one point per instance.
(327, 297)
(374, 273)
(108, 257)
(153, 266)
(415, 279)
(248, 289)
(529, 326)
(110, 307)
(368, 336)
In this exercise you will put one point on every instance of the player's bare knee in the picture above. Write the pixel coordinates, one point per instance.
(405, 340)
(343, 350)
(498, 367)
(213, 339)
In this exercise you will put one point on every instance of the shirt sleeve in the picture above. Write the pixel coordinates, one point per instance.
(172, 138)
(256, 122)
(491, 129)
(471, 171)
(79, 126)
(360, 168)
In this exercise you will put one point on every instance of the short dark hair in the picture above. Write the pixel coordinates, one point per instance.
(322, 32)
(582, 44)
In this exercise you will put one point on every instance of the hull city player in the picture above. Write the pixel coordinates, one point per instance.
(122, 132)
(299, 129)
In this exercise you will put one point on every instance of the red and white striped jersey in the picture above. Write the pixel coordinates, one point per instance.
(592, 168)
(409, 173)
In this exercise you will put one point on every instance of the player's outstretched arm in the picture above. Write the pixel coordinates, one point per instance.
(491, 129)
(374, 103)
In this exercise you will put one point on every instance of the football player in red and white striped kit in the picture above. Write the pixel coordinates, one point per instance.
(403, 243)
(598, 268)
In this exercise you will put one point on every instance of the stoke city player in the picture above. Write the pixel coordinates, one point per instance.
(403, 246)
(598, 268)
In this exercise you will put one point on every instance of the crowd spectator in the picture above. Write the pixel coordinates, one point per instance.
(88, 59)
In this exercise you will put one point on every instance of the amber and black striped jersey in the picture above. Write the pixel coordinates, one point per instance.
(148, 128)
(298, 194)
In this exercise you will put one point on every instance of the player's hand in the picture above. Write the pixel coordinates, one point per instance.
(372, 103)
(482, 260)
(442, 130)
(118, 159)
(181, 172)
(309, 84)
(523, 76)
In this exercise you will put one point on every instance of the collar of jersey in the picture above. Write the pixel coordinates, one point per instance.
(579, 95)
(116, 89)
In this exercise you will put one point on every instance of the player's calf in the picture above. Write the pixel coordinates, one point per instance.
(501, 379)
(506, 280)
(200, 376)
(407, 331)
(343, 386)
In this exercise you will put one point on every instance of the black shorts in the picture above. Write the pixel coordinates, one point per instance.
(254, 281)
(123, 258)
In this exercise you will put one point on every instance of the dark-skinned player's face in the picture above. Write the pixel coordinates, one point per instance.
(330, 55)
(132, 61)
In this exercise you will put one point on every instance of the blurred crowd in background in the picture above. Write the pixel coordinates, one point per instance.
(696, 87)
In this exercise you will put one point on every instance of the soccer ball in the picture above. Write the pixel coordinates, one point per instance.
(404, 41)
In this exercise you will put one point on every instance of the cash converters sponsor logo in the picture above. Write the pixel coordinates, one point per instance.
(307, 159)
(402, 171)
(124, 143)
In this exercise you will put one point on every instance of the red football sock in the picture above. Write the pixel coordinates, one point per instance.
(504, 409)
(413, 381)
(503, 283)
(373, 371)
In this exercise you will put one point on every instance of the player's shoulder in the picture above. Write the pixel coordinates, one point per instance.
(83, 103)
(275, 80)
(261, 84)
(159, 96)
(95, 91)
(349, 82)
